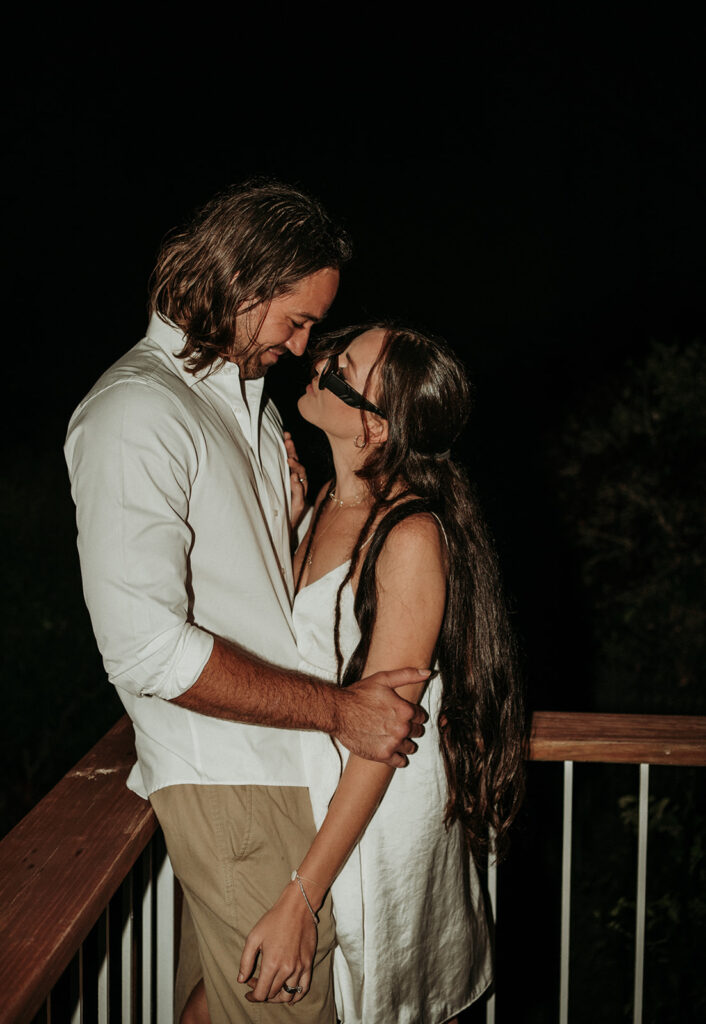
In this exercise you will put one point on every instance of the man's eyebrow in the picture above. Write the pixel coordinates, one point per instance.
(310, 316)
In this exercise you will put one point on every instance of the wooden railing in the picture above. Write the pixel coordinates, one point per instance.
(60, 867)
(618, 739)
(642, 740)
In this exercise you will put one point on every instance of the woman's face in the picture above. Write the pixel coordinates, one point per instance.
(322, 408)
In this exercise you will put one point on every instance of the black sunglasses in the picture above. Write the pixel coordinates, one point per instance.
(331, 379)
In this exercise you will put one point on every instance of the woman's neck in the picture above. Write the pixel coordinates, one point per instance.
(348, 487)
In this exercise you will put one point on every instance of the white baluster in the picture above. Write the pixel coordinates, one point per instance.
(147, 935)
(165, 942)
(566, 893)
(127, 940)
(103, 939)
(77, 1015)
(643, 815)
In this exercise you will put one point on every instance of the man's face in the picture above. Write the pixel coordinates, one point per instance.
(264, 333)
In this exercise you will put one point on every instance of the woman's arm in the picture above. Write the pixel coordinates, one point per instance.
(411, 580)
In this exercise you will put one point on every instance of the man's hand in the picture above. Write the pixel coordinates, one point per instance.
(369, 718)
(297, 481)
(376, 723)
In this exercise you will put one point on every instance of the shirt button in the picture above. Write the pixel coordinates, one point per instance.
(276, 512)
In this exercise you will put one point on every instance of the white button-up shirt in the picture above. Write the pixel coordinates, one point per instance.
(181, 488)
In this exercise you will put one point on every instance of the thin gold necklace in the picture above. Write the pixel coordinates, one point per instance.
(339, 505)
(348, 504)
(310, 556)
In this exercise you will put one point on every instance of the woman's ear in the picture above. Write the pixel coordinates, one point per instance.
(375, 428)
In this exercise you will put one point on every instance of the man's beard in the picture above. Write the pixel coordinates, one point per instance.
(248, 355)
(250, 363)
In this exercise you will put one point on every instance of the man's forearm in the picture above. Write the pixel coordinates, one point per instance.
(238, 686)
(369, 718)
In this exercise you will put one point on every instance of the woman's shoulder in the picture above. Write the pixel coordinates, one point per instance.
(416, 539)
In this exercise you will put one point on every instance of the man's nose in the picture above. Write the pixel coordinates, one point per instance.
(298, 342)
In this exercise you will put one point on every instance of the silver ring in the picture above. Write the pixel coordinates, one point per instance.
(302, 479)
(291, 991)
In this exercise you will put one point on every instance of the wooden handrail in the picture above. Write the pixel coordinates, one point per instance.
(61, 865)
(615, 739)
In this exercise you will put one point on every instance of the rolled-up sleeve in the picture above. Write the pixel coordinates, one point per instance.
(132, 461)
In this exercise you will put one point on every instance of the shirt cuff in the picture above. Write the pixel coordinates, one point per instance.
(170, 665)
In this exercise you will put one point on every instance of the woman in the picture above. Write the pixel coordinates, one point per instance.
(396, 569)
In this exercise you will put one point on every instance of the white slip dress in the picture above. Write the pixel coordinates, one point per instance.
(413, 945)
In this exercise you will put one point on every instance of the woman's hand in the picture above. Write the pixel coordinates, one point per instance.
(297, 481)
(285, 937)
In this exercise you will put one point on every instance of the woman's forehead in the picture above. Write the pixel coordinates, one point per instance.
(365, 347)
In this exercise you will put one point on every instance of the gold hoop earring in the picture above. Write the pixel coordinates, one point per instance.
(360, 438)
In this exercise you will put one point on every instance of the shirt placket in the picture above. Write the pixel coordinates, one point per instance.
(247, 415)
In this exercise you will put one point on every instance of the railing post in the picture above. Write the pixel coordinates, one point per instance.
(147, 935)
(165, 940)
(566, 893)
(640, 902)
(127, 973)
(77, 1015)
(103, 942)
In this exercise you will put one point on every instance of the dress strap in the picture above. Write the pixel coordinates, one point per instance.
(367, 540)
(429, 512)
(441, 527)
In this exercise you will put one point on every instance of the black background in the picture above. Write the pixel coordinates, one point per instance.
(533, 189)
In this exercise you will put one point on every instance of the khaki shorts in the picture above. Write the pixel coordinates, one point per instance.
(233, 849)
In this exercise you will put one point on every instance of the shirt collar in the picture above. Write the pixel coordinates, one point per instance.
(244, 398)
(171, 341)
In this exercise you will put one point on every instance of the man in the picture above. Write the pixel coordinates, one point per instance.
(179, 473)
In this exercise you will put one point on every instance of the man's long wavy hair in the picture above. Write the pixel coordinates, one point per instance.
(424, 392)
(248, 245)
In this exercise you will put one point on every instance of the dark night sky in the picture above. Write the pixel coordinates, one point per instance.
(533, 191)
(536, 195)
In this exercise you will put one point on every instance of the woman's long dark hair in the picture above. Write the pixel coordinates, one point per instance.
(424, 393)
